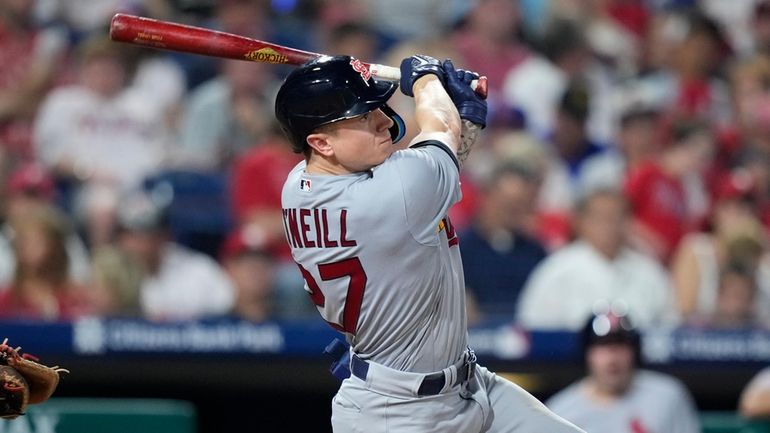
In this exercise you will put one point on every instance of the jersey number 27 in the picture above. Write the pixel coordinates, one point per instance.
(331, 271)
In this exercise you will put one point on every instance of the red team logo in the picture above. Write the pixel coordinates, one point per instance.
(451, 235)
(362, 69)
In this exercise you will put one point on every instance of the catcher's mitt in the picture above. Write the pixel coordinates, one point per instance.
(23, 381)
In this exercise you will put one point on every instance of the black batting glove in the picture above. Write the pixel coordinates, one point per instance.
(469, 104)
(415, 67)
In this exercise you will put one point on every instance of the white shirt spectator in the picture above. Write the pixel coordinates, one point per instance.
(562, 290)
(124, 137)
(655, 403)
(536, 85)
(188, 285)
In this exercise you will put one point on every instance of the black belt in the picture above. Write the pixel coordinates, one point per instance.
(432, 384)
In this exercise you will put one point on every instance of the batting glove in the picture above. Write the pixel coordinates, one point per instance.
(415, 67)
(469, 104)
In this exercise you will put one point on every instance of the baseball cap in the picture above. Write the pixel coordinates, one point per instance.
(248, 239)
(738, 184)
(638, 111)
(137, 211)
(32, 179)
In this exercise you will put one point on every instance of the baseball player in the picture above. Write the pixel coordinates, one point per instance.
(367, 223)
(617, 396)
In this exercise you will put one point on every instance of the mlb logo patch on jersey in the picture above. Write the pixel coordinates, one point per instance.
(304, 185)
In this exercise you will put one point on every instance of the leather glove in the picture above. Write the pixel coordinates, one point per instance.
(23, 381)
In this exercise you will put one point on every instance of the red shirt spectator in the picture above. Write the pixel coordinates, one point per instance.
(63, 305)
(37, 61)
(658, 204)
(258, 178)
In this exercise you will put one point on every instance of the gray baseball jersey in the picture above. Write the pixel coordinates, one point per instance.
(655, 403)
(380, 257)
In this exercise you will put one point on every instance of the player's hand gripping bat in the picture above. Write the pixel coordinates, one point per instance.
(197, 40)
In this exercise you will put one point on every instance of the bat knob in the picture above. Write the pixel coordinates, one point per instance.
(481, 87)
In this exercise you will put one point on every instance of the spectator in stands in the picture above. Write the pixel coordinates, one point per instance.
(751, 104)
(403, 20)
(352, 39)
(568, 150)
(687, 82)
(33, 61)
(178, 283)
(41, 288)
(637, 141)
(31, 188)
(616, 395)
(598, 265)
(663, 190)
(736, 237)
(549, 222)
(226, 116)
(760, 28)
(537, 85)
(489, 40)
(498, 254)
(754, 164)
(115, 284)
(257, 180)
(736, 298)
(568, 138)
(101, 134)
(82, 18)
(252, 271)
(754, 401)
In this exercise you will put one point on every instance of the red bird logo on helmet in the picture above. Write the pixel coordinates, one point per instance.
(362, 69)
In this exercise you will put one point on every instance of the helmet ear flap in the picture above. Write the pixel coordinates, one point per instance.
(398, 129)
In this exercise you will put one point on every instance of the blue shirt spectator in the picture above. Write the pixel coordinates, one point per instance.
(498, 254)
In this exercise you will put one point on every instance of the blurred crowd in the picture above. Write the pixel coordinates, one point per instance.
(626, 159)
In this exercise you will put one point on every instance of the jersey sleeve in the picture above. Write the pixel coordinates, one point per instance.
(428, 174)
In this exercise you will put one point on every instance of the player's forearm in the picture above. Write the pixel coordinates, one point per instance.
(435, 111)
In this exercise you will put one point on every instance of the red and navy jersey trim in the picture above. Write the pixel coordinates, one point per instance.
(441, 146)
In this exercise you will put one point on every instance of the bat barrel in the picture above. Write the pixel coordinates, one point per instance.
(196, 40)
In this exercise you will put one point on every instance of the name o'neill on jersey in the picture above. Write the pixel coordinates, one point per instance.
(309, 228)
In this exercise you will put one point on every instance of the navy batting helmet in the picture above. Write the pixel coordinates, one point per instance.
(329, 89)
(609, 327)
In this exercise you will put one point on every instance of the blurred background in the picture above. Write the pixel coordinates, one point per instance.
(625, 167)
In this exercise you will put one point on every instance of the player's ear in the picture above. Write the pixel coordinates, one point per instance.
(319, 142)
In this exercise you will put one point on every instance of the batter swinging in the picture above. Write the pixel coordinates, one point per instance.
(367, 223)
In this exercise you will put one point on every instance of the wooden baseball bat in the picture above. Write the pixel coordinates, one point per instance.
(198, 40)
